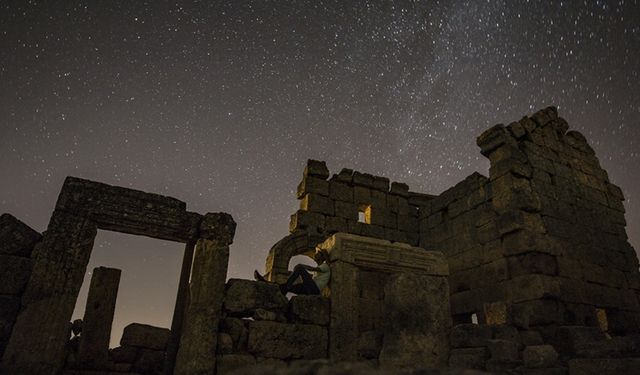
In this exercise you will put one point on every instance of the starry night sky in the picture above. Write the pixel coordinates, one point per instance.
(220, 103)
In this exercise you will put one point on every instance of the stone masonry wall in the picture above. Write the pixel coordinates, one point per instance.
(544, 235)
(17, 241)
(333, 205)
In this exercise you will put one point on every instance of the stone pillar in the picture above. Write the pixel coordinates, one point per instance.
(179, 309)
(41, 331)
(197, 349)
(93, 352)
(344, 314)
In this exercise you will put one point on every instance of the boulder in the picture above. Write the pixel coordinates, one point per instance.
(244, 297)
(539, 356)
(145, 336)
(287, 341)
(310, 309)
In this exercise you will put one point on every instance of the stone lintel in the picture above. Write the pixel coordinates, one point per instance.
(384, 255)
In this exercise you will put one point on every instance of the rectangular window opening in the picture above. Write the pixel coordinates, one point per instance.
(364, 214)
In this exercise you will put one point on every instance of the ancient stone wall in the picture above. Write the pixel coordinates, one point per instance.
(17, 241)
(348, 202)
(543, 235)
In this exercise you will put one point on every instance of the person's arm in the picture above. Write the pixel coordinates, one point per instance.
(311, 268)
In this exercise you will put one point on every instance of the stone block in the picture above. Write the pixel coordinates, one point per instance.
(381, 184)
(16, 238)
(145, 336)
(237, 329)
(361, 195)
(363, 179)
(149, 361)
(603, 366)
(371, 314)
(524, 241)
(539, 356)
(532, 263)
(468, 358)
(335, 224)
(287, 341)
(531, 338)
(317, 203)
(418, 320)
(340, 191)
(124, 354)
(234, 363)
(369, 345)
(497, 366)
(569, 338)
(224, 343)
(503, 350)
(496, 313)
(310, 309)
(306, 220)
(400, 189)
(470, 335)
(14, 273)
(243, 297)
(311, 184)
(536, 312)
(346, 210)
(492, 138)
(316, 168)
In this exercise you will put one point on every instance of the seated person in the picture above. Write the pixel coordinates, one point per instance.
(309, 284)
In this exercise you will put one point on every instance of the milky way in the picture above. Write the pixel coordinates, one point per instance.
(219, 104)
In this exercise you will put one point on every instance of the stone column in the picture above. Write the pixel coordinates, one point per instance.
(38, 342)
(93, 352)
(197, 349)
(343, 330)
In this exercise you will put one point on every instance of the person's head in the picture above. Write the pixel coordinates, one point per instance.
(321, 256)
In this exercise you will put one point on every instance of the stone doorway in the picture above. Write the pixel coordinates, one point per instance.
(148, 284)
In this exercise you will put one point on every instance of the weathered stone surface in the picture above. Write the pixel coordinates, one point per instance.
(218, 227)
(503, 350)
(539, 356)
(369, 344)
(603, 366)
(9, 306)
(14, 273)
(149, 361)
(310, 309)
(262, 314)
(124, 354)
(98, 317)
(287, 341)
(234, 363)
(144, 336)
(470, 335)
(468, 358)
(531, 338)
(418, 321)
(41, 330)
(316, 168)
(238, 331)
(243, 297)
(196, 354)
(569, 338)
(16, 238)
(225, 343)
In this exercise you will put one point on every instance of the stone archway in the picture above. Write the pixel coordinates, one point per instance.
(297, 243)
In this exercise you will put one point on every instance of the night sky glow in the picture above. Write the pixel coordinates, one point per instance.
(220, 103)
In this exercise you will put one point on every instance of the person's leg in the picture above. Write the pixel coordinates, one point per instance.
(298, 271)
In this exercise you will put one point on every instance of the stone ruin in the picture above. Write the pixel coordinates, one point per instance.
(527, 271)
